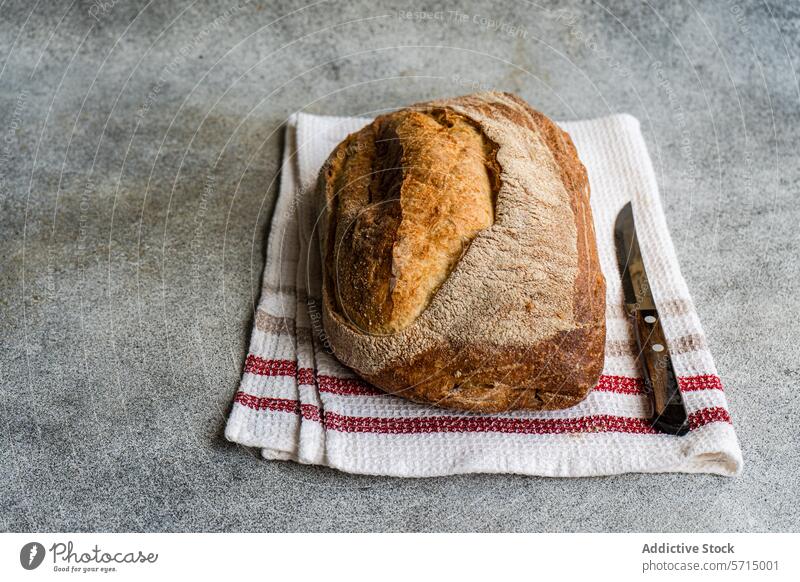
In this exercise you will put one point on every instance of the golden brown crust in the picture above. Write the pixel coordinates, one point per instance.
(520, 321)
(406, 203)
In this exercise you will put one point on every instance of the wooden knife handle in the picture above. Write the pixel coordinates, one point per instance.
(669, 413)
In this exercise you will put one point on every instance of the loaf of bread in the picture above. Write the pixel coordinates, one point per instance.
(460, 266)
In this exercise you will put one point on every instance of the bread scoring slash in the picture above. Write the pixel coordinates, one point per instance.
(460, 265)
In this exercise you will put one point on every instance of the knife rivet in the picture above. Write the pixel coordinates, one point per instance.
(658, 348)
(649, 319)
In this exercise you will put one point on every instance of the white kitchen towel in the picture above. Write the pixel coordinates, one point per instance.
(297, 402)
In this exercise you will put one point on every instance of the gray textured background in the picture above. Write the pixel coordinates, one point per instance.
(129, 277)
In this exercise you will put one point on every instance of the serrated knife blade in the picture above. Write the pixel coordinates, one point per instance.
(668, 411)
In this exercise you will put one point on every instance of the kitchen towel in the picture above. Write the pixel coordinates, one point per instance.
(297, 402)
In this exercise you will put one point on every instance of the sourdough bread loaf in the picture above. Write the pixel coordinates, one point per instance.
(460, 266)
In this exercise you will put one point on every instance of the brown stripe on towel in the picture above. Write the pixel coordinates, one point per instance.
(283, 287)
(667, 307)
(679, 345)
(620, 348)
(688, 343)
(304, 334)
(273, 324)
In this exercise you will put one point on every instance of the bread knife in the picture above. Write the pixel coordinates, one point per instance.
(668, 413)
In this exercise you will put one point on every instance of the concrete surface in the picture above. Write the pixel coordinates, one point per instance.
(138, 147)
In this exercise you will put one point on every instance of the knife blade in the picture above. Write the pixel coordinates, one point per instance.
(668, 413)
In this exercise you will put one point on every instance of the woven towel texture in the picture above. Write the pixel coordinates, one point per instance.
(297, 402)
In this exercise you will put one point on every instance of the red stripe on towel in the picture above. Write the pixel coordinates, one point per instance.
(348, 386)
(264, 403)
(706, 416)
(305, 376)
(307, 411)
(619, 384)
(255, 365)
(442, 424)
(310, 412)
(702, 382)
